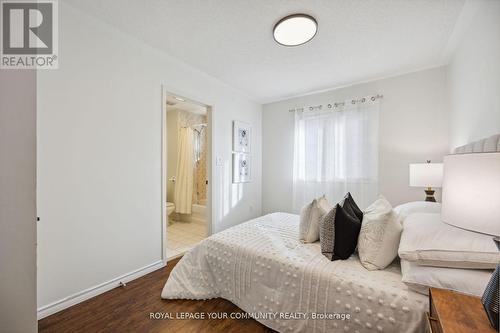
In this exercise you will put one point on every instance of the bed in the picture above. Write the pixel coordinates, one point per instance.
(264, 269)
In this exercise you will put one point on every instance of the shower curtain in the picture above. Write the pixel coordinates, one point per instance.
(183, 194)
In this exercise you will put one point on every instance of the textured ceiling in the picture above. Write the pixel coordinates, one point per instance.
(357, 40)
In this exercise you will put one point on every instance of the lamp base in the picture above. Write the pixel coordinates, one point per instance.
(429, 195)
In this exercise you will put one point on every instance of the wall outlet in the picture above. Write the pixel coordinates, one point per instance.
(219, 161)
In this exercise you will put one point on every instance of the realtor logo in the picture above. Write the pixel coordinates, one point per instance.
(29, 34)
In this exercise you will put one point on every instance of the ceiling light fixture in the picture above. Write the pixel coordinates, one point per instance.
(179, 99)
(294, 30)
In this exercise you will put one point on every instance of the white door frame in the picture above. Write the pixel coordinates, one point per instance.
(210, 164)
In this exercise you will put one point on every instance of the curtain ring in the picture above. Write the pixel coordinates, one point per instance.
(373, 98)
(329, 106)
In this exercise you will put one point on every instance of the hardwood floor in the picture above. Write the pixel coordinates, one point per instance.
(127, 309)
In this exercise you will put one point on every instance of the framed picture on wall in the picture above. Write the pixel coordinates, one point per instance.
(242, 137)
(242, 168)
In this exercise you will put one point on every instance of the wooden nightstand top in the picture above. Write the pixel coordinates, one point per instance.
(457, 313)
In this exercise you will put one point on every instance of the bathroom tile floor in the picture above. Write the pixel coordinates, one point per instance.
(182, 236)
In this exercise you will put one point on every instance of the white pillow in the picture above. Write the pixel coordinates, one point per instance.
(426, 240)
(378, 240)
(421, 278)
(418, 207)
(310, 216)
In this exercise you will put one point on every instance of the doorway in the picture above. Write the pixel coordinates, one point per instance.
(186, 164)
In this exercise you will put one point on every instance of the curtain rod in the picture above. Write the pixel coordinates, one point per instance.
(335, 105)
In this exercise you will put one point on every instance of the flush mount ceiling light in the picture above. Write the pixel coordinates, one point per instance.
(294, 30)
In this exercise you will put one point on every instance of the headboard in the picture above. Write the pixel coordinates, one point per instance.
(491, 144)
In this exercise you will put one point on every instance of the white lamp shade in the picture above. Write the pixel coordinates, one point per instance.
(426, 174)
(471, 192)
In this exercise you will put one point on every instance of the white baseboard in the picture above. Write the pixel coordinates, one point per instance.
(83, 295)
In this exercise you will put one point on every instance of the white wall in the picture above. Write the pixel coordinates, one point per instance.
(17, 201)
(474, 75)
(413, 128)
(99, 144)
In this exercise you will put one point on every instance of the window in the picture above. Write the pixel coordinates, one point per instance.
(336, 151)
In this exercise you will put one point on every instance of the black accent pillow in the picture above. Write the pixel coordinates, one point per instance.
(347, 229)
(351, 207)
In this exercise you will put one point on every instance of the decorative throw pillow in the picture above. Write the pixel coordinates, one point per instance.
(428, 241)
(327, 233)
(310, 217)
(339, 233)
(421, 278)
(351, 207)
(379, 237)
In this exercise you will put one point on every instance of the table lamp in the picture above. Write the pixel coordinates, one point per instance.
(427, 175)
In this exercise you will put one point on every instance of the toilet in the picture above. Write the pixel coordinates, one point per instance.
(170, 208)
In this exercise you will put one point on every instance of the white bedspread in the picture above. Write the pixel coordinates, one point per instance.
(261, 266)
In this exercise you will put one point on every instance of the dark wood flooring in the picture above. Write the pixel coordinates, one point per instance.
(127, 309)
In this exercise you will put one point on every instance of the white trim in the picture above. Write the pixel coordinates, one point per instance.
(163, 195)
(211, 171)
(83, 295)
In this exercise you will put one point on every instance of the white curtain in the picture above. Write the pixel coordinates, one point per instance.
(183, 194)
(336, 151)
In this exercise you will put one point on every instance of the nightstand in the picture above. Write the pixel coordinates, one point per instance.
(452, 312)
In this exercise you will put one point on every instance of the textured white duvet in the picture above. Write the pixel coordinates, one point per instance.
(261, 266)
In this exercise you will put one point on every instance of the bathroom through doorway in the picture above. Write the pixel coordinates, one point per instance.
(187, 163)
